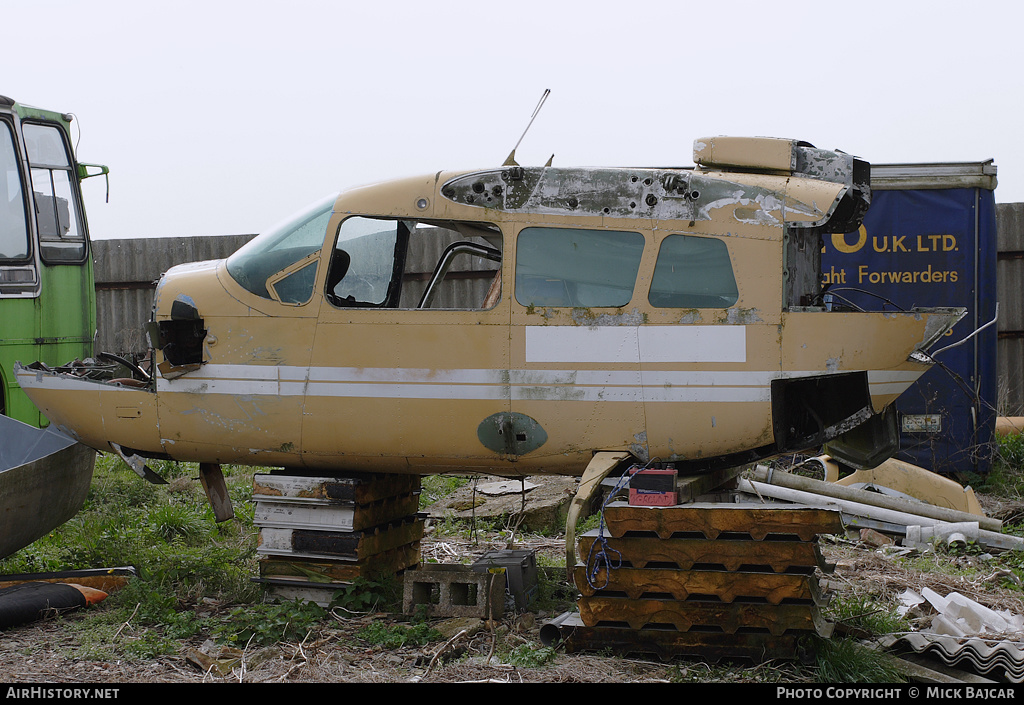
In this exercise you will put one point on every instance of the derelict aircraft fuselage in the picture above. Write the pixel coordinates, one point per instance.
(516, 320)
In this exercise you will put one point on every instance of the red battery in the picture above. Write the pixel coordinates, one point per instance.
(652, 498)
(658, 479)
(653, 487)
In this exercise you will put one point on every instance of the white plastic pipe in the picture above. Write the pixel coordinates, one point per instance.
(987, 538)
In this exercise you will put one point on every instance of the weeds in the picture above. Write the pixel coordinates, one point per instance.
(456, 527)
(530, 656)
(847, 661)
(1011, 451)
(110, 635)
(268, 623)
(363, 594)
(394, 636)
(1006, 476)
(866, 615)
(176, 521)
(436, 487)
(168, 534)
(588, 523)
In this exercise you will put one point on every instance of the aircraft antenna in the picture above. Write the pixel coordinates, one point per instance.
(511, 160)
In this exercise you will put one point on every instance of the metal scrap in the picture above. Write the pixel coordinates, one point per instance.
(871, 509)
(710, 580)
(966, 634)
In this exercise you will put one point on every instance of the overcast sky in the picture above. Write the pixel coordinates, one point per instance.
(222, 117)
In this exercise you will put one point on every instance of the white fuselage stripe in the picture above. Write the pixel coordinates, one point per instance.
(480, 384)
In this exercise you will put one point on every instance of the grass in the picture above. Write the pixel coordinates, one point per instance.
(844, 660)
(1006, 475)
(847, 661)
(186, 560)
(395, 636)
(168, 534)
(866, 614)
(529, 656)
(1010, 453)
(267, 623)
(436, 487)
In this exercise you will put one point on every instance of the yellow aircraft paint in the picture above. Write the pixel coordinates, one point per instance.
(669, 313)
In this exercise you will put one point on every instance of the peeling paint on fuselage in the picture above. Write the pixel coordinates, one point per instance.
(742, 316)
(588, 317)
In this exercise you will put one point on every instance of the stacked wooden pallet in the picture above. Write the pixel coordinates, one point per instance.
(319, 534)
(707, 580)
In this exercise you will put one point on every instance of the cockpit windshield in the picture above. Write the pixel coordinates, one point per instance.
(277, 249)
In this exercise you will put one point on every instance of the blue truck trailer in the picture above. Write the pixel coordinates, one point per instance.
(929, 239)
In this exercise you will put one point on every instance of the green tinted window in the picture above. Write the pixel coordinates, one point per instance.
(693, 272)
(564, 267)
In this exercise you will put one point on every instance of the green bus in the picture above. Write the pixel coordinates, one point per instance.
(47, 296)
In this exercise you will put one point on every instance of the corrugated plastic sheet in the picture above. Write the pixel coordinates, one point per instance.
(984, 656)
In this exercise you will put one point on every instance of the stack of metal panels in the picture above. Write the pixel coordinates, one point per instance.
(707, 580)
(319, 534)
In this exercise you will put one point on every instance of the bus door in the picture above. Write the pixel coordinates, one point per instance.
(66, 309)
(19, 272)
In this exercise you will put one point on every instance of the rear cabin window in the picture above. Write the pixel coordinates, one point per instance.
(693, 272)
(576, 268)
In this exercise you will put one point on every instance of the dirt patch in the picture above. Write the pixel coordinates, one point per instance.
(46, 652)
(49, 651)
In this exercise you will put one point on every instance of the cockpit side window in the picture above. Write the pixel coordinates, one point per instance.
(410, 264)
(283, 256)
(693, 272)
(363, 266)
(576, 268)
